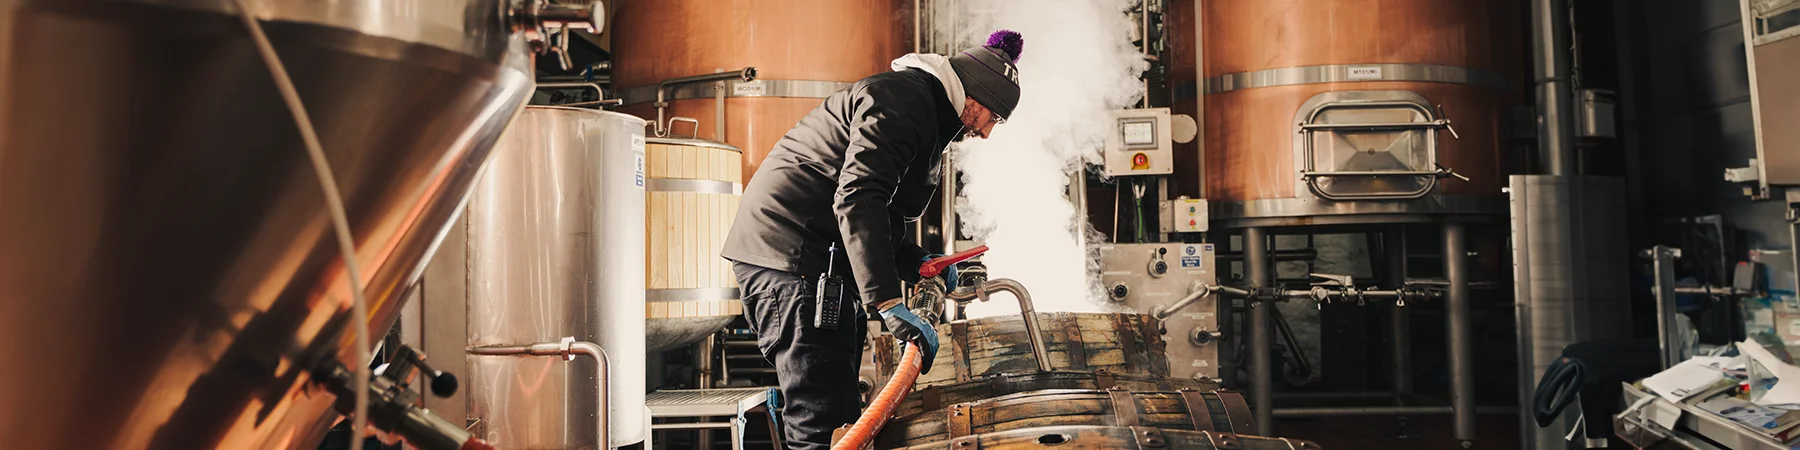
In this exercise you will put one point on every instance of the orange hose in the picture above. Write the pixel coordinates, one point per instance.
(886, 401)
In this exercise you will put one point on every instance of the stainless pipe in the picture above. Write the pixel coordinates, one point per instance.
(1399, 318)
(1304, 254)
(704, 366)
(567, 348)
(1399, 342)
(1348, 411)
(1200, 290)
(1144, 39)
(1715, 291)
(1462, 362)
(1663, 265)
(947, 203)
(662, 90)
(1551, 60)
(718, 112)
(1032, 331)
(1256, 269)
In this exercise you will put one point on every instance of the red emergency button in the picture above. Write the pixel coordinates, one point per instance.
(1191, 223)
(1140, 161)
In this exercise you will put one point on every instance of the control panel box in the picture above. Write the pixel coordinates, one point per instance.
(1141, 143)
(1183, 215)
(1144, 277)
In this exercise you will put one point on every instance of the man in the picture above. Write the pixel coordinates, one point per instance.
(849, 175)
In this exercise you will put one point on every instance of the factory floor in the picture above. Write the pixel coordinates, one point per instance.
(1370, 433)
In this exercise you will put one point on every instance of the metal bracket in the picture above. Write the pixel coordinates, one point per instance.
(1148, 437)
(966, 443)
(1223, 441)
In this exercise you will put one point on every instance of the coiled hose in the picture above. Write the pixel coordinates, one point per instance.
(882, 408)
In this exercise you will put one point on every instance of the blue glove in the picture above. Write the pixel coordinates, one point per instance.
(908, 327)
(949, 273)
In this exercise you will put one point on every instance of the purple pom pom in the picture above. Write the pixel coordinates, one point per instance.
(1008, 41)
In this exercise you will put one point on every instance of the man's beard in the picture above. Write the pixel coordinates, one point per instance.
(968, 116)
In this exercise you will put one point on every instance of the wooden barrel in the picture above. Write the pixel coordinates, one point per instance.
(1218, 411)
(1112, 437)
(936, 397)
(803, 50)
(692, 188)
(1269, 65)
(1077, 342)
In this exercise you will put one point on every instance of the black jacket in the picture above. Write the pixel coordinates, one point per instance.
(851, 172)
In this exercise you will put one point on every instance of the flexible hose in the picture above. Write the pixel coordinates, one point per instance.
(882, 408)
(1560, 386)
(334, 203)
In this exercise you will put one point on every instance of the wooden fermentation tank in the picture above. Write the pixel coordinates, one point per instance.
(1270, 66)
(802, 50)
(692, 190)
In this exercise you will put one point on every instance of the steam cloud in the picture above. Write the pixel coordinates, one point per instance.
(1079, 66)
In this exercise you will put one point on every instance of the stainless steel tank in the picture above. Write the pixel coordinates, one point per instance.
(556, 249)
(168, 275)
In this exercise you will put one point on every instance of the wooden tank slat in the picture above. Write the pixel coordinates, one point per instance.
(706, 308)
(686, 230)
(1243, 36)
(1250, 153)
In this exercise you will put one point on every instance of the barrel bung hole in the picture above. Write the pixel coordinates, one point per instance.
(1052, 439)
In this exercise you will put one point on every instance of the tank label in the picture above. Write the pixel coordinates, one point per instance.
(1365, 72)
(1190, 255)
(637, 148)
(751, 89)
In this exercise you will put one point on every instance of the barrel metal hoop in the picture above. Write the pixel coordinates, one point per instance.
(956, 420)
(735, 89)
(1197, 410)
(959, 352)
(1236, 410)
(690, 295)
(1129, 343)
(692, 185)
(1223, 441)
(1148, 437)
(1124, 406)
(1077, 349)
(1355, 73)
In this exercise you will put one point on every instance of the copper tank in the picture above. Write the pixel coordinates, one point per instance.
(803, 50)
(1270, 66)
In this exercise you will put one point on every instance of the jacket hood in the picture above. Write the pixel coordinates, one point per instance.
(938, 66)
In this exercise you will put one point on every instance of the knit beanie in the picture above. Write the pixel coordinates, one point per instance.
(989, 74)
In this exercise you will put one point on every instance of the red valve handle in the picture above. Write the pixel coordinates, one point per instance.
(937, 265)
